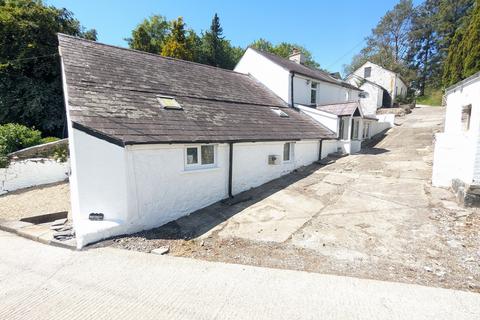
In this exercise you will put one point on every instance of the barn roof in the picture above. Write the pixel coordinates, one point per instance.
(115, 94)
(304, 70)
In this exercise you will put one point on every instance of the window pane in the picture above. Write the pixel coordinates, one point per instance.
(313, 96)
(192, 155)
(367, 72)
(466, 114)
(208, 155)
(286, 152)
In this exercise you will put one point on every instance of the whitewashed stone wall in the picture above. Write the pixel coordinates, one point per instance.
(32, 172)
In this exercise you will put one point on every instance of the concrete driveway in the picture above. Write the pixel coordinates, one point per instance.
(45, 282)
(372, 215)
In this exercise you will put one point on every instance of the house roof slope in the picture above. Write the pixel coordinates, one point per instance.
(340, 109)
(304, 70)
(114, 92)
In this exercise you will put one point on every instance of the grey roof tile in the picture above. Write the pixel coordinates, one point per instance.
(113, 93)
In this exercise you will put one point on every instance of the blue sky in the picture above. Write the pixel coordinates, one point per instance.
(332, 30)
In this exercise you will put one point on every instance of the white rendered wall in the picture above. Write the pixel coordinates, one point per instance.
(383, 77)
(326, 93)
(371, 103)
(99, 185)
(165, 190)
(457, 152)
(327, 119)
(251, 168)
(265, 71)
(32, 172)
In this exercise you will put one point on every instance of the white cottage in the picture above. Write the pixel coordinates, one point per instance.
(382, 86)
(457, 150)
(153, 139)
(295, 82)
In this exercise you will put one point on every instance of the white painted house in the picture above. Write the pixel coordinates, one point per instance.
(382, 86)
(457, 149)
(327, 99)
(293, 81)
(153, 139)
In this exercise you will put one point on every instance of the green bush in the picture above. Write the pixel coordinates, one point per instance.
(60, 153)
(14, 137)
(48, 140)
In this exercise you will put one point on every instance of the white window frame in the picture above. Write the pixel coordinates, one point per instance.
(466, 118)
(355, 135)
(200, 165)
(291, 153)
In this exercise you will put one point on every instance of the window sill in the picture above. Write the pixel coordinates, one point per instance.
(199, 169)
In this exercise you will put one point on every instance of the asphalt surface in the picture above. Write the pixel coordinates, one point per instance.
(44, 282)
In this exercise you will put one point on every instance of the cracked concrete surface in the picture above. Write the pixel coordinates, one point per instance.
(372, 214)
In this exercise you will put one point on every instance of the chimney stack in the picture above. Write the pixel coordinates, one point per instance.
(297, 56)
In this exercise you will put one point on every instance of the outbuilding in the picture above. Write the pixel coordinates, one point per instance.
(457, 150)
(153, 138)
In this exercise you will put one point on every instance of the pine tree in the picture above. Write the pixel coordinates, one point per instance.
(213, 42)
(176, 44)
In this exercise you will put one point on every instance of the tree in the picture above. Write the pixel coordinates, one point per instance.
(463, 58)
(423, 57)
(388, 44)
(30, 74)
(284, 50)
(150, 35)
(213, 45)
(176, 44)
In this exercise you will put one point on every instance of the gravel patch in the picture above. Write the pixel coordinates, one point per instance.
(35, 201)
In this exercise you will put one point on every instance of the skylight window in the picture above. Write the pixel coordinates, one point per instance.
(169, 103)
(280, 112)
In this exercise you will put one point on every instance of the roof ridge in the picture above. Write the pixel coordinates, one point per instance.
(148, 53)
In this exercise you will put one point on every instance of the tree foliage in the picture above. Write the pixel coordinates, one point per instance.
(176, 44)
(30, 75)
(463, 58)
(150, 34)
(416, 41)
(284, 49)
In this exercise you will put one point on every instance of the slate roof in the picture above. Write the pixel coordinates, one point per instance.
(340, 109)
(304, 70)
(113, 94)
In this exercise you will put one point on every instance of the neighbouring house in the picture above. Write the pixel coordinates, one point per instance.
(153, 139)
(293, 81)
(327, 99)
(457, 150)
(347, 121)
(383, 86)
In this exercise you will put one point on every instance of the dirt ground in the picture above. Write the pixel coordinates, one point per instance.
(370, 215)
(35, 201)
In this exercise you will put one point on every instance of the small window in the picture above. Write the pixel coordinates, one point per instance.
(280, 112)
(466, 114)
(367, 72)
(287, 151)
(200, 156)
(192, 155)
(208, 154)
(313, 93)
(169, 103)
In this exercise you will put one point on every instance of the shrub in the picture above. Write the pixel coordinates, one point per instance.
(49, 139)
(14, 137)
(60, 153)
